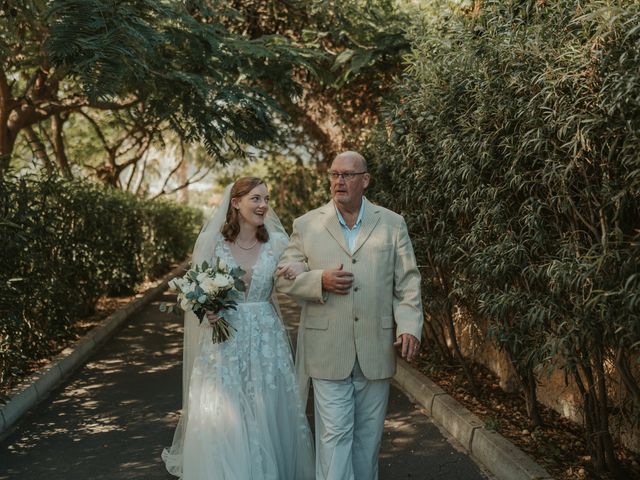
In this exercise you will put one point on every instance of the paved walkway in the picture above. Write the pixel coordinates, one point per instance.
(112, 418)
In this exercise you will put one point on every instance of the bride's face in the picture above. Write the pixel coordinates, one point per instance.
(253, 207)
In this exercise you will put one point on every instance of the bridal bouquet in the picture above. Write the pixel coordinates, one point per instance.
(209, 288)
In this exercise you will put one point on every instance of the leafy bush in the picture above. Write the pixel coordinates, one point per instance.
(512, 150)
(66, 243)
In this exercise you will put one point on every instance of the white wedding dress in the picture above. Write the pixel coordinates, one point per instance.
(245, 419)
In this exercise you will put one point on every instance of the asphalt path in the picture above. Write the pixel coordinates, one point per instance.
(112, 418)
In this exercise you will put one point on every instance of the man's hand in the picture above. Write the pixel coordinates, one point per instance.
(291, 270)
(337, 281)
(409, 346)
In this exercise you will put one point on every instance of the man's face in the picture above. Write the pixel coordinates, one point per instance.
(348, 193)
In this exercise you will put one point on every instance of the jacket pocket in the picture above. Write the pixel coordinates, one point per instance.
(320, 322)
(382, 247)
(387, 322)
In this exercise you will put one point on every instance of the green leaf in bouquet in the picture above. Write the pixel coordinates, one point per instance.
(199, 312)
(231, 305)
(193, 274)
(239, 285)
(237, 272)
(205, 265)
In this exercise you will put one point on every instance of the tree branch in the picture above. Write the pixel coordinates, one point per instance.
(144, 169)
(196, 177)
(98, 131)
(57, 124)
(134, 169)
(175, 169)
(29, 112)
(143, 147)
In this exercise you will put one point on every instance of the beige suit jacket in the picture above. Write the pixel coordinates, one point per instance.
(383, 303)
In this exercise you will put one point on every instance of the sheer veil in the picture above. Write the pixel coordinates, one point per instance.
(203, 250)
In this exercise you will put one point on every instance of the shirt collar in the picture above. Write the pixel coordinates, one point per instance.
(358, 220)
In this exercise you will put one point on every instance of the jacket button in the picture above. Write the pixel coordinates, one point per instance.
(353, 260)
(355, 289)
(355, 319)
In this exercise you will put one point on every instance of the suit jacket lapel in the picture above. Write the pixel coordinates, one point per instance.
(332, 224)
(369, 221)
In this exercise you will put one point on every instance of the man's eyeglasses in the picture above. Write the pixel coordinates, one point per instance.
(348, 176)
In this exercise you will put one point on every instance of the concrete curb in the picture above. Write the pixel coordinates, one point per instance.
(38, 386)
(501, 457)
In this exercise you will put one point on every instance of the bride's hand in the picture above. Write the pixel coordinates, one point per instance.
(291, 270)
(212, 317)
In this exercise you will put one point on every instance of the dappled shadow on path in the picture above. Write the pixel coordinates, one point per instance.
(113, 417)
(414, 448)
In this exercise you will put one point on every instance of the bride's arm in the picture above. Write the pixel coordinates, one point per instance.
(307, 285)
(290, 270)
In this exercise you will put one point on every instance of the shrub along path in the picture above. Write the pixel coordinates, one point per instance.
(112, 418)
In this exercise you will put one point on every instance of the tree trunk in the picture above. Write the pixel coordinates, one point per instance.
(533, 410)
(39, 150)
(4, 164)
(57, 124)
(183, 176)
(7, 138)
(589, 419)
(430, 332)
(622, 364)
(436, 271)
(442, 337)
(456, 347)
(607, 442)
(594, 410)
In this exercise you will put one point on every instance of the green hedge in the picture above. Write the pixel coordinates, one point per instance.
(512, 150)
(66, 243)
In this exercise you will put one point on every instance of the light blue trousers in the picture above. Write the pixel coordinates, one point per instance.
(349, 419)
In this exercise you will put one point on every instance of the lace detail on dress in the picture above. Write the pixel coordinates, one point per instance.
(243, 395)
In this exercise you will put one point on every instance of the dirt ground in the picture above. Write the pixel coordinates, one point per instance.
(558, 446)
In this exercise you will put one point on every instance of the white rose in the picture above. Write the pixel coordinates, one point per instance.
(222, 265)
(186, 305)
(209, 286)
(202, 299)
(202, 277)
(221, 281)
(174, 285)
(178, 284)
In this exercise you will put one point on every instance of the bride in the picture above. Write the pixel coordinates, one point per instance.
(242, 417)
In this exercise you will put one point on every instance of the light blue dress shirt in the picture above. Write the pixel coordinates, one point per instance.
(351, 234)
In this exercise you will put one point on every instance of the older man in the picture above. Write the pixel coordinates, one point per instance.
(361, 296)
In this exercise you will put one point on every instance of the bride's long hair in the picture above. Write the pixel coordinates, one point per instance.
(231, 227)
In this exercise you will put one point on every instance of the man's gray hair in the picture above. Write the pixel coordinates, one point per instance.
(355, 155)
